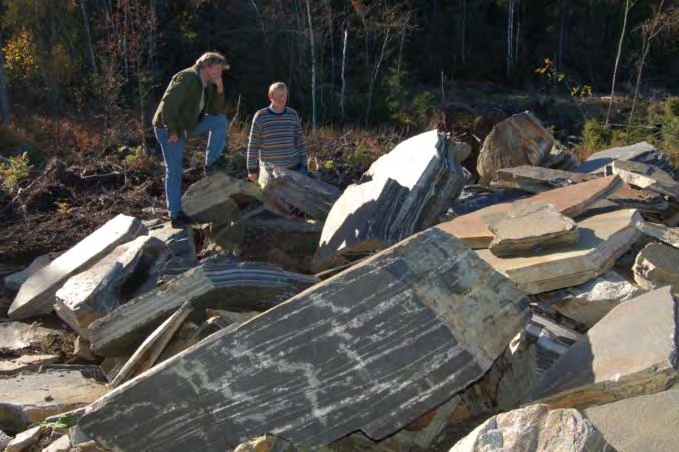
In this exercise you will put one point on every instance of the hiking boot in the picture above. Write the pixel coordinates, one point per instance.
(180, 221)
(221, 164)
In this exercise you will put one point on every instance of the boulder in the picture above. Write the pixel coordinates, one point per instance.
(518, 140)
(286, 191)
(402, 192)
(219, 198)
(535, 428)
(657, 265)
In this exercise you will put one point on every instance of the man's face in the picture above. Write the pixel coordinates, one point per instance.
(214, 71)
(279, 98)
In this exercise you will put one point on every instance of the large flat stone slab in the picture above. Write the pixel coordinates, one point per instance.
(216, 283)
(631, 351)
(535, 179)
(603, 238)
(36, 295)
(647, 422)
(403, 192)
(590, 302)
(570, 201)
(646, 176)
(661, 232)
(641, 152)
(26, 399)
(97, 291)
(530, 227)
(372, 348)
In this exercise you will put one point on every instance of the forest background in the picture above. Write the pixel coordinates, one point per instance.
(80, 79)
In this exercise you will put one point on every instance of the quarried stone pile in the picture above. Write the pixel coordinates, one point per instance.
(417, 335)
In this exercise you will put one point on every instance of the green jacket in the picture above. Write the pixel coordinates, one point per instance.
(178, 109)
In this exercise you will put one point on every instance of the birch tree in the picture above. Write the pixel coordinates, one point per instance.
(649, 30)
(313, 68)
(628, 6)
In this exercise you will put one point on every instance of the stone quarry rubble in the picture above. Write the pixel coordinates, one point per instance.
(413, 311)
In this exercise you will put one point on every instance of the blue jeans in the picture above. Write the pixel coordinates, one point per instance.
(173, 154)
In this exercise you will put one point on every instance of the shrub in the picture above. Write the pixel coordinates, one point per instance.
(13, 171)
(597, 135)
(672, 107)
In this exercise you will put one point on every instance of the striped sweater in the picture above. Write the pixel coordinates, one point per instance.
(276, 138)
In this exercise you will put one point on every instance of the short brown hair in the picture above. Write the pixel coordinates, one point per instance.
(210, 59)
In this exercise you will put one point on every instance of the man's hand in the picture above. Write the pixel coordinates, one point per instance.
(217, 80)
(173, 138)
(253, 177)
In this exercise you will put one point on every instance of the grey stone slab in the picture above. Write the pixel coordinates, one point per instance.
(643, 423)
(603, 239)
(26, 399)
(24, 363)
(589, 302)
(631, 351)
(92, 294)
(665, 234)
(403, 192)
(15, 280)
(476, 197)
(644, 200)
(36, 295)
(647, 174)
(535, 428)
(657, 265)
(289, 243)
(217, 283)
(372, 348)
(512, 376)
(642, 152)
(219, 198)
(518, 140)
(16, 336)
(286, 191)
(531, 227)
(535, 179)
(570, 201)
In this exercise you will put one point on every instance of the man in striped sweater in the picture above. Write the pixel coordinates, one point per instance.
(276, 135)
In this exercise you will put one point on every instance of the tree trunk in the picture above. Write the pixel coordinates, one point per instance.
(463, 33)
(313, 68)
(4, 98)
(617, 60)
(88, 37)
(344, 67)
(646, 47)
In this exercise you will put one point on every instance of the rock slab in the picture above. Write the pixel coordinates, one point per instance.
(372, 348)
(36, 295)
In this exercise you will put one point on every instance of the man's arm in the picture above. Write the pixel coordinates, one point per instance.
(254, 144)
(300, 144)
(173, 101)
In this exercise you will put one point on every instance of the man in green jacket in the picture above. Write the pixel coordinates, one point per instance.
(193, 104)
